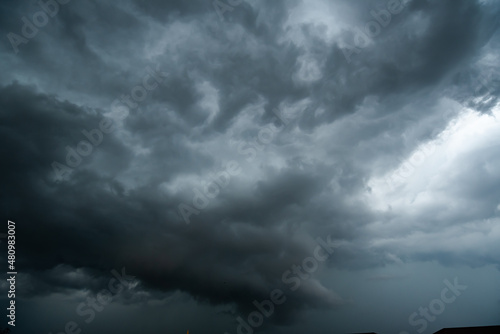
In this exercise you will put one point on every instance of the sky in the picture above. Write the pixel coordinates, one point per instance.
(250, 166)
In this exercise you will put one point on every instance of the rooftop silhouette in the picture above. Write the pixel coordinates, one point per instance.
(462, 330)
(466, 330)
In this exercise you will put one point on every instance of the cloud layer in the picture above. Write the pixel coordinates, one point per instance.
(392, 150)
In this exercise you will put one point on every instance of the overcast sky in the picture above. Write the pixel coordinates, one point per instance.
(203, 147)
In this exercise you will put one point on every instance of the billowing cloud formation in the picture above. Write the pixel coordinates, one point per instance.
(264, 125)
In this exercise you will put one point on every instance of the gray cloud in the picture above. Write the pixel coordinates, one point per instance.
(429, 78)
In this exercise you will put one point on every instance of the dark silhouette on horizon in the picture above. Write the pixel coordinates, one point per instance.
(463, 330)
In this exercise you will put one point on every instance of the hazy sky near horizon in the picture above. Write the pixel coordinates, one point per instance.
(203, 147)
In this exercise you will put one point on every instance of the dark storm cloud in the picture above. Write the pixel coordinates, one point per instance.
(399, 61)
(162, 253)
(353, 122)
(164, 10)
